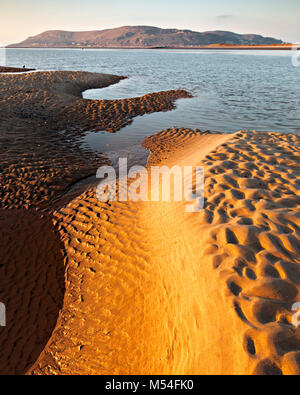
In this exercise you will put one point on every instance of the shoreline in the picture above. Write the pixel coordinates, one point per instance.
(142, 288)
(212, 47)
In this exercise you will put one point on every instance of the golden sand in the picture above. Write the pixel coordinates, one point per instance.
(146, 288)
(151, 289)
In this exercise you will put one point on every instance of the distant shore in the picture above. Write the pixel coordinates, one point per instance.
(284, 47)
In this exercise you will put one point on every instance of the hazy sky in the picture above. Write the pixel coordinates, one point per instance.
(277, 18)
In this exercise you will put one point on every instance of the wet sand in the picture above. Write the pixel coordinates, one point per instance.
(38, 162)
(5, 69)
(142, 288)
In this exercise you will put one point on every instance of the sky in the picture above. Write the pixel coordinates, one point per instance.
(276, 18)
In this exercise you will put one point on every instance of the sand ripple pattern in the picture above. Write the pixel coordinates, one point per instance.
(252, 212)
(107, 277)
(141, 288)
(55, 99)
(151, 289)
(37, 164)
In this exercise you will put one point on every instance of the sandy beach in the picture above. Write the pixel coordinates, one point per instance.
(142, 287)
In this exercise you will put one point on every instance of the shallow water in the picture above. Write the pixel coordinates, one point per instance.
(233, 90)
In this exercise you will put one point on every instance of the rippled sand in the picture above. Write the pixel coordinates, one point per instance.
(143, 288)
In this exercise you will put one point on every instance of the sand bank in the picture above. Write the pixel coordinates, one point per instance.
(141, 288)
(5, 69)
(239, 256)
(39, 164)
(153, 290)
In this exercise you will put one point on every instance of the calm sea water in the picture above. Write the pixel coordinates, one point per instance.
(234, 90)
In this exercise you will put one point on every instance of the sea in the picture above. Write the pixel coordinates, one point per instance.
(233, 89)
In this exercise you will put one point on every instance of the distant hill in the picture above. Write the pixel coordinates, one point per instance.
(140, 37)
